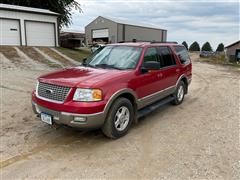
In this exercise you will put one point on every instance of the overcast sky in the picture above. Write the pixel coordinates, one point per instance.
(203, 20)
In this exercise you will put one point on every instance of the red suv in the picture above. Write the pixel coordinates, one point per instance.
(114, 87)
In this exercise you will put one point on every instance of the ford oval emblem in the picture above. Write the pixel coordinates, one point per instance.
(49, 91)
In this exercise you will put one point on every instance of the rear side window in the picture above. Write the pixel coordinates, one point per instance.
(166, 57)
(151, 55)
(182, 54)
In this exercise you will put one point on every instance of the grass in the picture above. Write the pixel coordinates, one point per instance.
(33, 54)
(76, 54)
(219, 59)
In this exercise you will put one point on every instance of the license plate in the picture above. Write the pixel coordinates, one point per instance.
(46, 118)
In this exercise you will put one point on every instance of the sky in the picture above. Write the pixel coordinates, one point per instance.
(203, 20)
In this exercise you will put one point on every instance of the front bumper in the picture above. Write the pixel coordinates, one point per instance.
(189, 80)
(82, 121)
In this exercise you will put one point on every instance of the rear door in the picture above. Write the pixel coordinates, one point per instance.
(169, 71)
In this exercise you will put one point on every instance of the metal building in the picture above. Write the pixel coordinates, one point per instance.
(112, 30)
(28, 26)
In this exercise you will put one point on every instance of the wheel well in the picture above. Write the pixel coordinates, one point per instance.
(184, 80)
(131, 98)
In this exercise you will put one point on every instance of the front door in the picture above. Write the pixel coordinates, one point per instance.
(147, 83)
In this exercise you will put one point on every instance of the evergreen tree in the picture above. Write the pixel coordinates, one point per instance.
(220, 48)
(194, 46)
(185, 44)
(206, 47)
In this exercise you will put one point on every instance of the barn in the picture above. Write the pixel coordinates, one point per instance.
(233, 51)
(25, 26)
(112, 30)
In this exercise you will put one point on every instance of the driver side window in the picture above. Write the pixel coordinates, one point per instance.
(151, 55)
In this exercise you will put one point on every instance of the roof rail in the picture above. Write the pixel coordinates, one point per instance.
(170, 42)
(152, 42)
(133, 40)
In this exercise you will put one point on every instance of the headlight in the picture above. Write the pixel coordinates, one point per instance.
(87, 95)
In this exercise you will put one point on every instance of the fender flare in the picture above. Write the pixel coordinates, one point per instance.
(116, 95)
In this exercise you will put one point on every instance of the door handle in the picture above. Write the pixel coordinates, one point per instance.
(159, 75)
(177, 70)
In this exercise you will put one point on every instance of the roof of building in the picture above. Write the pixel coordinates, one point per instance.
(67, 30)
(127, 22)
(233, 44)
(72, 34)
(26, 9)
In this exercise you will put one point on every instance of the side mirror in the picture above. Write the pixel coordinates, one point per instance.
(150, 65)
(84, 61)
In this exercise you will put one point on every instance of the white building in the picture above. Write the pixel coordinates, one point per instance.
(28, 26)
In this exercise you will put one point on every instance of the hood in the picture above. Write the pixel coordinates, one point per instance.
(80, 76)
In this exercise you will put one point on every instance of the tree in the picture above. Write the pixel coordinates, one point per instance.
(194, 47)
(63, 7)
(220, 48)
(185, 44)
(206, 47)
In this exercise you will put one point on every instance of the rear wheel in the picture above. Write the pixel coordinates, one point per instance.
(119, 120)
(179, 93)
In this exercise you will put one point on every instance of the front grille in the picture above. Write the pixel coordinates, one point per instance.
(52, 92)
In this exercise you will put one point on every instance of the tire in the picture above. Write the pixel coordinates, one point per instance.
(179, 93)
(119, 119)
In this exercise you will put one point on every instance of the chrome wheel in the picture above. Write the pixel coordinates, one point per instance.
(180, 93)
(122, 118)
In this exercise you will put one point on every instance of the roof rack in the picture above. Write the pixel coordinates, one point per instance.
(169, 42)
(152, 42)
(133, 41)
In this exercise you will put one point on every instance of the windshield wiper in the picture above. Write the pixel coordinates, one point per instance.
(108, 66)
(87, 65)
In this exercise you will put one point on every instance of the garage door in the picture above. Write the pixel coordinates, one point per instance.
(100, 33)
(9, 32)
(40, 34)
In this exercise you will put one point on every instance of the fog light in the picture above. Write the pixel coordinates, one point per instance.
(79, 119)
(37, 109)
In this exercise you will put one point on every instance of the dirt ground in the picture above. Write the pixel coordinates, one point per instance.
(197, 140)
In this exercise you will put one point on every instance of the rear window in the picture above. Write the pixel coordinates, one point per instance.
(182, 54)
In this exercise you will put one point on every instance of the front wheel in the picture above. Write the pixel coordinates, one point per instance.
(119, 120)
(179, 93)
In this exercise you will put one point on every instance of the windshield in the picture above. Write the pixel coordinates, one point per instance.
(117, 57)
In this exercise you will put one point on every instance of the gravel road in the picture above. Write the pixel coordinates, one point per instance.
(197, 140)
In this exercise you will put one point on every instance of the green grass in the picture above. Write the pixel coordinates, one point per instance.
(76, 54)
(219, 59)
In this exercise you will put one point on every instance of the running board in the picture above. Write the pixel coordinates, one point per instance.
(150, 108)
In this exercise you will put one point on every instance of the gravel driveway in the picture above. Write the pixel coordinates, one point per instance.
(198, 139)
